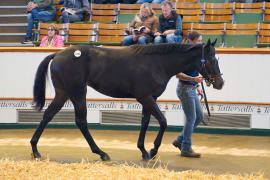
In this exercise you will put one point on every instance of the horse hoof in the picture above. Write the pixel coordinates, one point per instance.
(153, 153)
(105, 157)
(146, 157)
(36, 156)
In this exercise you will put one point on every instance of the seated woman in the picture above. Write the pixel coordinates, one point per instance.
(143, 26)
(53, 39)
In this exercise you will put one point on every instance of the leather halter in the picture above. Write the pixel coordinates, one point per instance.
(209, 79)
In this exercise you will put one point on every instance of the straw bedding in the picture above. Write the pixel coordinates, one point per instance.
(46, 169)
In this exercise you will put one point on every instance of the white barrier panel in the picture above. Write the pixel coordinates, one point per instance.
(259, 115)
(246, 77)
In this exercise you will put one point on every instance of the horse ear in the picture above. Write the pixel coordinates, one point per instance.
(208, 42)
(214, 43)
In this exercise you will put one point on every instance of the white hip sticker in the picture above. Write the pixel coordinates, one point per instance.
(77, 53)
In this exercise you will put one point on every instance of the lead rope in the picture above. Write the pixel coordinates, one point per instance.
(206, 105)
(204, 95)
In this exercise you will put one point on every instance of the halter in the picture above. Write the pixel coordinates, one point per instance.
(210, 79)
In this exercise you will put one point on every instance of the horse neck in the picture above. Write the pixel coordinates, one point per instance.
(182, 62)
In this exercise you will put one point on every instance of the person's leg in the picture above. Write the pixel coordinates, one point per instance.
(45, 16)
(158, 40)
(143, 1)
(157, 1)
(64, 18)
(179, 92)
(128, 40)
(30, 22)
(199, 112)
(29, 26)
(188, 105)
(142, 40)
(75, 18)
(178, 39)
(171, 38)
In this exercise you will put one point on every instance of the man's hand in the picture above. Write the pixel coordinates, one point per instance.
(31, 5)
(157, 34)
(200, 91)
(170, 31)
(198, 79)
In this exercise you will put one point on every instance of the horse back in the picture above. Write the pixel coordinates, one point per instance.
(113, 72)
(122, 73)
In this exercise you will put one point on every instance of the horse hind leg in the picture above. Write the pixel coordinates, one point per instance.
(144, 126)
(81, 122)
(49, 113)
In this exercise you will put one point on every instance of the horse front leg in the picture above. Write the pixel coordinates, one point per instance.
(144, 125)
(150, 104)
(49, 113)
(81, 122)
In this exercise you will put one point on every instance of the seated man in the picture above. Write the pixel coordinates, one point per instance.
(73, 10)
(170, 25)
(38, 10)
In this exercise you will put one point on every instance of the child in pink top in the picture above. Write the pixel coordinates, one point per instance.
(53, 39)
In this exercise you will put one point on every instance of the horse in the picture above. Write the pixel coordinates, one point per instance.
(139, 71)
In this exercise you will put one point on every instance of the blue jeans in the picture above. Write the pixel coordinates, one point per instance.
(68, 18)
(128, 40)
(170, 38)
(193, 113)
(149, 1)
(37, 15)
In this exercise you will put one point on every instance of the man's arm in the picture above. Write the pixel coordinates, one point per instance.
(178, 30)
(184, 77)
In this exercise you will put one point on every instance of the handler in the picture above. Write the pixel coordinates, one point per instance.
(186, 92)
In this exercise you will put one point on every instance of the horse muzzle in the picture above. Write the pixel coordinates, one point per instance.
(218, 83)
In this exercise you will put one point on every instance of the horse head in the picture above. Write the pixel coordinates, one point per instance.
(209, 66)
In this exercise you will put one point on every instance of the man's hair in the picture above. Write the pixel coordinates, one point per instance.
(193, 35)
(167, 2)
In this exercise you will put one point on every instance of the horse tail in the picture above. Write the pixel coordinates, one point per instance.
(40, 83)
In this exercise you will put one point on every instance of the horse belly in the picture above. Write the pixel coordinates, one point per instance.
(109, 90)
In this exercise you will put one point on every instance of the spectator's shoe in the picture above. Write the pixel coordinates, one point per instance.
(176, 144)
(27, 41)
(190, 154)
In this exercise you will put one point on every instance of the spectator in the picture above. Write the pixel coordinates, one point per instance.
(53, 39)
(149, 1)
(73, 10)
(170, 25)
(186, 91)
(38, 10)
(142, 27)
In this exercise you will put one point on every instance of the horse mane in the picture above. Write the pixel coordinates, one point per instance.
(162, 48)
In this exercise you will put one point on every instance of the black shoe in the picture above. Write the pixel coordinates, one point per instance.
(27, 41)
(190, 154)
(177, 144)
